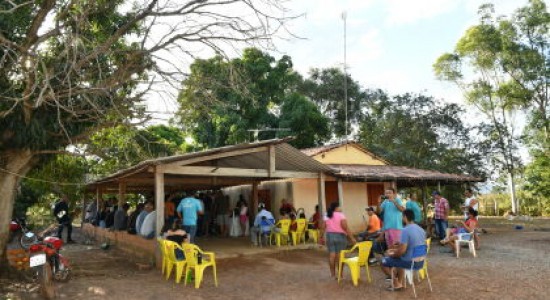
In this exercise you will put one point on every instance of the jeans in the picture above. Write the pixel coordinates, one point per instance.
(441, 227)
(69, 230)
(191, 231)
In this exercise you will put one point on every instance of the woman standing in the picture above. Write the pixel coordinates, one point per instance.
(336, 228)
(243, 217)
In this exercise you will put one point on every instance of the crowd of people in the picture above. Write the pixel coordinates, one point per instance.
(396, 228)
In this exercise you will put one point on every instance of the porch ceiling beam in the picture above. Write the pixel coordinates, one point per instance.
(234, 172)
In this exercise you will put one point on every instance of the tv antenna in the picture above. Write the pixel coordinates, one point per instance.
(344, 17)
(256, 132)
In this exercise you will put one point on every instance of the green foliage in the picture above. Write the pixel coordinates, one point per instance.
(421, 132)
(304, 120)
(222, 100)
(536, 189)
(122, 146)
(325, 87)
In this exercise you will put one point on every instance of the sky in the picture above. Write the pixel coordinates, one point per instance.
(391, 44)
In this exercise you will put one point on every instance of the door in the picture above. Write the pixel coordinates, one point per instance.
(374, 190)
(331, 192)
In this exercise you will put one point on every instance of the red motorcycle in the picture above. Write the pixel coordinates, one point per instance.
(47, 262)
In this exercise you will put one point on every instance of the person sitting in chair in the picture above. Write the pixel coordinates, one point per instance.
(399, 256)
(263, 215)
(465, 228)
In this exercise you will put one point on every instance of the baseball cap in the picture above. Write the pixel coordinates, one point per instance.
(435, 193)
(369, 208)
(261, 205)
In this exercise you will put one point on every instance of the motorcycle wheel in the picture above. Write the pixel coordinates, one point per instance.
(45, 279)
(26, 242)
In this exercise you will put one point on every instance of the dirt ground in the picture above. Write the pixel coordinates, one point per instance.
(511, 264)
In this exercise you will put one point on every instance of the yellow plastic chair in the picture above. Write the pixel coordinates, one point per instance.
(313, 234)
(299, 234)
(162, 249)
(355, 263)
(284, 228)
(208, 260)
(170, 248)
(422, 272)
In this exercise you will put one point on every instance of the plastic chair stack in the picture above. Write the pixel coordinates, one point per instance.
(198, 261)
(355, 263)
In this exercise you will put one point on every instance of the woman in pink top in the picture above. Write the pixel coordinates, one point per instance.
(336, 228)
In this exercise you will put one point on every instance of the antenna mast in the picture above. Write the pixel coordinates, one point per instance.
(344, 17)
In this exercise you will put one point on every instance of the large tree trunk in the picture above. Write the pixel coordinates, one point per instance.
(13, 164)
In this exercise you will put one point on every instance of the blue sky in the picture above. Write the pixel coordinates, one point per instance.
(391, 44)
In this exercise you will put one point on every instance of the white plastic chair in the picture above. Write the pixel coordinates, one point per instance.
(466, 239)
(419, 255)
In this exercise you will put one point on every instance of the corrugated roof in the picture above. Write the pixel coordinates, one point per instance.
(396, 173)
(287, 158)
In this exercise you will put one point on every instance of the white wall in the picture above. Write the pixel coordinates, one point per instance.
(355, 202)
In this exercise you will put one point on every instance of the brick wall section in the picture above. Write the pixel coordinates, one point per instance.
(137, 247)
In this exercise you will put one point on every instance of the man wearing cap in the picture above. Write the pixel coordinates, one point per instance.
(188, 210)
(263, 214)
(441, 206)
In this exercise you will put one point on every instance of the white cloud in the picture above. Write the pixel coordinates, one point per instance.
(402, 12)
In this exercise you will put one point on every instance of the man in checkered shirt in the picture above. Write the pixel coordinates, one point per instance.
(441, 214)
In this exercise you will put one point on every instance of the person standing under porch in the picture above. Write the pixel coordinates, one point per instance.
(441, 214)
(188, 211)
(61, 213)
(391, 210)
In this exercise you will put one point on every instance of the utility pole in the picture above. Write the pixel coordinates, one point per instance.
(344, 17)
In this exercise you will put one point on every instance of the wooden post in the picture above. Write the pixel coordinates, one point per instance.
(159, 200)
(99, 199)
(340, 193)
(425, 200)
(254, 209)
(121, 193)
(271, 167)
(83, 212)
(322, 197)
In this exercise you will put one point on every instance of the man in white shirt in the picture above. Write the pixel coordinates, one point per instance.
(258, 226)
(469, 202)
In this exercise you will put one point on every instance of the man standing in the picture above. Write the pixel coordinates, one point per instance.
(391, 210)
(441, 214)
(61, 213)
(263, 214)
(188, 210)
(470, 202)
(400, 255)
(413, 205)
(121, 217)
(147, 208)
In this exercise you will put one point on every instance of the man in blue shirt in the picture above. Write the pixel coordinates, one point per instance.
(413, 205)
(400, 256)
(268, 218)
(147, 208)
(390, 210)
(188, 211)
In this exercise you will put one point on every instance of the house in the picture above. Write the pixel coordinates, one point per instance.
(357, 179)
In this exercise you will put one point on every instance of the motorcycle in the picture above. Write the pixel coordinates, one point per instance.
(47, 263)
(18, 227)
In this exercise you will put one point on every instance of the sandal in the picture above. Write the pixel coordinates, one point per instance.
(394, 289)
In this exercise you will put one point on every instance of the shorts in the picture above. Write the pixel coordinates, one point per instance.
(392, 236)
(336, 242)
(243, 219)
(391, 262)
